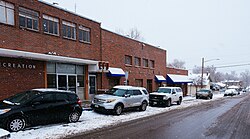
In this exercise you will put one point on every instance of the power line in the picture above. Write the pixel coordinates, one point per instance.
(236, 65)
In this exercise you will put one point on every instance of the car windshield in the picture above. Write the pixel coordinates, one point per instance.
(164, 90)
(116, 92)
(21, 98)
(203, 91)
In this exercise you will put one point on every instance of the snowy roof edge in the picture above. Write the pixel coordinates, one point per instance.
(61, 8)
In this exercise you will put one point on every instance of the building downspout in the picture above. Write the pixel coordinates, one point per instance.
(101, 55)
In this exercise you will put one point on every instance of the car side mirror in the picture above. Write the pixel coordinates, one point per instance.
(127, 95)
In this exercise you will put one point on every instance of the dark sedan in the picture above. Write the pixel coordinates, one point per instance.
(39, 106)
(204, 93)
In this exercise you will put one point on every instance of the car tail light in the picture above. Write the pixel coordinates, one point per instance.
(79, 102)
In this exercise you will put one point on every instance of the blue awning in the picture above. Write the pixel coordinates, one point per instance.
(116, 72)
(178, 79)
(160, 78)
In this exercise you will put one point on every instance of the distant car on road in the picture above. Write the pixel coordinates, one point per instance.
(121, 97)
(204, 93)
(230, 92)
(166, 96)
(39, 106)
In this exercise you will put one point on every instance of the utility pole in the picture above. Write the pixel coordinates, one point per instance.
(202, 70)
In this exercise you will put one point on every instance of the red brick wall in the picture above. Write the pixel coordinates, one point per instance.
(176, 71)
(12, 37)
(16, 79)
(115, 47)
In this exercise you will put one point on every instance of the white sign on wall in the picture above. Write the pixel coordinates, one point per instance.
(17, 65)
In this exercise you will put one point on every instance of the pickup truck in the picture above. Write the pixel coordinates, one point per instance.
(166, 96)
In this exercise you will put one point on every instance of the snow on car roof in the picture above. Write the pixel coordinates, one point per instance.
(127, 87)
(169, 87)
(233, 87)
(49, 90)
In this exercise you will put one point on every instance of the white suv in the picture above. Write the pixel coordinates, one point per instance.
(166, 96)
(121, 97)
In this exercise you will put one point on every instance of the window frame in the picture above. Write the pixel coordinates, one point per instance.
(82, 30)
(139, 82)
(152, 64)
(54, 21)
(145, 63)
(70, 28)
(127, 57)
(137, 63)
(28, 14)
(9, 13)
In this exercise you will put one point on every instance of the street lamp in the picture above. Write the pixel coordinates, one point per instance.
(202, 68)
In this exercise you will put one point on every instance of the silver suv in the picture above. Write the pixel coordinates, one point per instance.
(121, 97)
(166, 96)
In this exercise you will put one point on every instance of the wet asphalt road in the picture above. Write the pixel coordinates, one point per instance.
(228, 118)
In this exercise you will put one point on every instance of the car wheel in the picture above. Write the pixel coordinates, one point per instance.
(74, 116)
(16, 124)
(211, 97)
(179, 102)
(197, 97)
(168, 103)
(143, 106)
(118, 109)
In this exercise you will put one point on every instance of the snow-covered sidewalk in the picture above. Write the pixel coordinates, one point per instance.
(91, 120)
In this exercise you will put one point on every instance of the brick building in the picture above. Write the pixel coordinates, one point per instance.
(178, 78)
(44, 46)
(142, 61)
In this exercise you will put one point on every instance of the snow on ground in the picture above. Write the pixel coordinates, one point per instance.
(3, 133)
(91, 121)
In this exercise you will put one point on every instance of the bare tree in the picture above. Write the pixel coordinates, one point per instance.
(177, 64)
(231, 76)
(216, 76)
(120, 31)
(133, 33)
(196, 70)
(245, 77)
(219, 77)
(207, 69)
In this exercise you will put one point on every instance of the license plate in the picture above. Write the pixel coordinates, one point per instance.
(154, 102)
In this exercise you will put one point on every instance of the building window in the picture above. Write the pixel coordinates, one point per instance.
(152, 64)
(137, 61)
(6, 13)
(50, 25)
(139, 82)
(65, 75)
(128, 60)
(145, 63)
(84, 34)
(69, 30)
(28, 18)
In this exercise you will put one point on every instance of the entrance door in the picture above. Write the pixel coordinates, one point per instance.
(72, 83)
(62, 82)
(149, 85)
(67, 82)
(92, 85)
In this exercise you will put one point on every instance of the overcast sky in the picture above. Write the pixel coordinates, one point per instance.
(187, 29)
